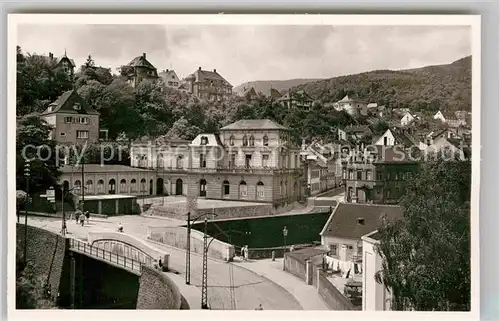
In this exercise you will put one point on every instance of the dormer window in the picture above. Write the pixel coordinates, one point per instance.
(77, 106)
(265, 141)
(204, 140)
(231, 140)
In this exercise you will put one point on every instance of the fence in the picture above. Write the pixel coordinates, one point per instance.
(108, 256)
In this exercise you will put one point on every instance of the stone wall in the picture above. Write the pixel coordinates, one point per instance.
(295, 267)
(157, 291)
(330, 294)
(177, 237)
(178, 211)
(46, 250)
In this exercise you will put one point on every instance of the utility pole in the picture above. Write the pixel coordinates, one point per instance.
(204, 290)
(188, 249)
(27, 175)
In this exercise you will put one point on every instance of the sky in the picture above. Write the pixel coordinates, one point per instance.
(248, 53)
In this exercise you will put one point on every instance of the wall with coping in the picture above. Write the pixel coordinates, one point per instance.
(46, 250)
(176, 236)
(117, 243)
(157, 291)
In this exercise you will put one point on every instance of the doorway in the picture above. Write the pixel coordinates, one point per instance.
(178, 187)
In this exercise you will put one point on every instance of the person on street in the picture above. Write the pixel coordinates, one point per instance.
(87, 216)
(82, 219)
(120, 227)
(245, 253)
(259, 307)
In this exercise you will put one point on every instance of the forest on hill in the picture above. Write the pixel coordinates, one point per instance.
(447, 87)
(264, 86)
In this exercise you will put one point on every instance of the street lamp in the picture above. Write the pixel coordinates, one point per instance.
(27, 167)
(285, 233)
(63, 196)
(188, 243)
(204, 286)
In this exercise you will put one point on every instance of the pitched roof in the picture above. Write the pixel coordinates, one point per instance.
(201, 75)
(168, 74)
(357, 129)
(56, 60)
(372, 105)
(344, 222)
(65, 103)
(274, 93)
(257, 124)
(141, 61)
(212, 140)
(403, 138)
(347, 99)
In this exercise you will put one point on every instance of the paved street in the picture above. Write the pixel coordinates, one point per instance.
(250, 288)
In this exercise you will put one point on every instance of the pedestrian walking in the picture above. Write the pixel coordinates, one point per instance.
(242, 252)
(259, 307)
(120, 227)
(87, 215)
(245, 253)
(82, 219)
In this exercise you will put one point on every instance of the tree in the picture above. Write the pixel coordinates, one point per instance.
(426, 254)
(32, 142)
(21, 199)
(39, 81)
(89, 62)
(183, 130)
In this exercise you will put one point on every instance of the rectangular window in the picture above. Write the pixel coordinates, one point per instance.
(203, 161)
(333, 249)
(83, 134)
(296, 161)
(265, 160)
(379, 176)
(68, 120)
(359, 175)
(368, 175)
(62, 134)
(351, 174)
(248, 160)
(232, 160)
(83, 120)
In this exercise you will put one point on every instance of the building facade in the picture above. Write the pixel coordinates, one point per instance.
(170, 79)
(299, 99)
(72, 120)
(139, 69)
(208, 85)
(250, 160)
(353, 107)
(377, 175)
(376, 297)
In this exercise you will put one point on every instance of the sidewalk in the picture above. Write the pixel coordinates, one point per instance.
(307, 295)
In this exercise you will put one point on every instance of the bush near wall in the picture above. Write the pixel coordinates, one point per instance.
(266, 232)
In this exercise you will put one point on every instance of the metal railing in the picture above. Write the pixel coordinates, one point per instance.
(105, 255)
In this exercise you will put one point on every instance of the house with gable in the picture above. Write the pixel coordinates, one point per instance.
(249, 93)
(407, 119)
(72, 120)
(208, 85)
(299, 99)
(169, 78)
(354, 132)
(352, 106)
(64, 62)
(139, 69)
(395, 137)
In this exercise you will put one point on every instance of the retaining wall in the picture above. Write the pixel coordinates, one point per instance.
(157, 291)
(176, 236)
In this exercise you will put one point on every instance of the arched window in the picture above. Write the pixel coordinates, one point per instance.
(89, 187)
(245, 140)
(78, 185)
(225, 186)
(123, 186)
(112, 186)
(243, 189)
(159, 161)
(231, 140)
(100, 186)
(133, 186)
(143, 186)
(260, 190)
(251, 141)
(265, 141)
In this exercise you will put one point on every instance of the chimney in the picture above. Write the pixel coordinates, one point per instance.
(360, 221)
(215, 70)
(51, 55)
(167, 70)
(199, 68)
(144, 55)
